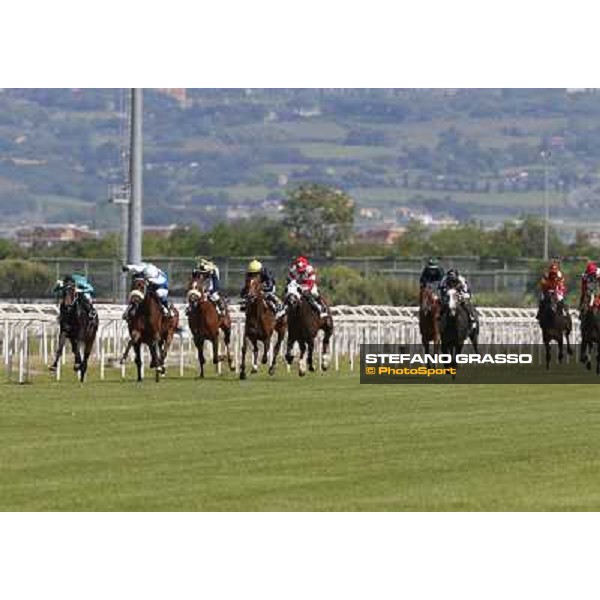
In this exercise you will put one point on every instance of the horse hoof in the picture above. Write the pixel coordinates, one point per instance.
(588, 366)
(311, 369)
(76, 368)
(272, 371)
(254, 370)
(242, 375)
(302, 373)
(52, 369)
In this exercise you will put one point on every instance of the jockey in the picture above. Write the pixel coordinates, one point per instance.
(589, 278)
(454, 280)
(158, 281)
(432, 275)
(304, 274)
(257, 270)
(554, 281)
(206, 270)
(83, 288)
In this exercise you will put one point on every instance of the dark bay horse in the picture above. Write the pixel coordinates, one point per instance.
(205, 324)
(555, 324)
(429, 318)
(454, 326)
(590, 330)
(303, 326)
(259, 326)
(77, 327)
(146, 326)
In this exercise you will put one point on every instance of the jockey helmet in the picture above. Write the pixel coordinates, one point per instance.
(591, 268)
(254, 267)
(68, 280)
(204, 265)
(432, 262)
(301, 263)
(452, 274)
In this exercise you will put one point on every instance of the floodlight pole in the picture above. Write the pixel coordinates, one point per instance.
(134, 250)
(545, 154)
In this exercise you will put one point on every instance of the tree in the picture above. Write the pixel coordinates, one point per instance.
(319, 218)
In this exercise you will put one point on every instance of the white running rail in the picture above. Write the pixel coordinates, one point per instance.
(28, 334)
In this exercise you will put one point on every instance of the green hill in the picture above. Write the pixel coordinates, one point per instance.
(468, 154)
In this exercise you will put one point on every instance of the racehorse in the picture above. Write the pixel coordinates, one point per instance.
(590, 330)
(205, 324)
(555, 325)
(429, 318)
(147, 325)
(77, 327)
(303, 326)
(259, 327)
(455, 326)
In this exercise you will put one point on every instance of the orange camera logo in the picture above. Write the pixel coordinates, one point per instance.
(370, 371)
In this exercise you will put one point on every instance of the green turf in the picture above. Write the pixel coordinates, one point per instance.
(322, 443)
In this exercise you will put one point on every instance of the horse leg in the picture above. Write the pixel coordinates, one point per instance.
(155, 363)
(597, 358)
(76, 354)
(254, 356)
(199, 341)
(568, 340)
(215, 348)
(275, 354)
(548, 353)
(560, 349)
(227, 340)
(243, 359)
(289, 351)
(61, 344)
(325, 351)
(128, 347)
(302, 359)
(310, 347)
(137, 349)
(87, 350)
(266, 347)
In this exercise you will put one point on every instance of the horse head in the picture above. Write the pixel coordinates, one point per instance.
(452, 301)
(196, 290)
(428, 299)
(293, 294)
(138, 291)
(69, 296)
(254, 290)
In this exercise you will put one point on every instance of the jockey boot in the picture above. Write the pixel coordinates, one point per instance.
(128, 312)
(166, 310)
(539, 312)
(88, 307)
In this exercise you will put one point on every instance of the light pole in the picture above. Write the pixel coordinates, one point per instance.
(134, 251)
(120, 196)
(546, 155)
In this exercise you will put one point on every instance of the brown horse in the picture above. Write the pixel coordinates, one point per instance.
(429, 318)
(303, 326)
(146, 326)
(259, 327)
(77, 327)
(556, 325)
(205, 324)
(170, 326)
(590, 329)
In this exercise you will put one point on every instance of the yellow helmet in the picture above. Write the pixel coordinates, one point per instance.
(254, 267)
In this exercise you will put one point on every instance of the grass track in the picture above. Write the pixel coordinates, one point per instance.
(323, 443)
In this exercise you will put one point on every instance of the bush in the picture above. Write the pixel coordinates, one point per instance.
(344, 285)
(24, 280)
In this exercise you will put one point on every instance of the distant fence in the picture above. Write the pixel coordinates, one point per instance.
(485, 275)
